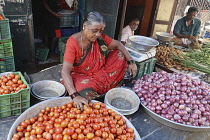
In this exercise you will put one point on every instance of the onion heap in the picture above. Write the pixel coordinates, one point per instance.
(176, 97)
(95, 122)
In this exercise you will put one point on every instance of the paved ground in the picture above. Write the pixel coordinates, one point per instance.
(148, 128)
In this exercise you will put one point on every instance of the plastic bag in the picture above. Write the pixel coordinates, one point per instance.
(69, 2)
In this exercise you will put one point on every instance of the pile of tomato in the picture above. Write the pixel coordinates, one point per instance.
(11, 84)
(95, 122)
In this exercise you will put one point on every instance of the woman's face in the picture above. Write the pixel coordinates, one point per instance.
(92, 32)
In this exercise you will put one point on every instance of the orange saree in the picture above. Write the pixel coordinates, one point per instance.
(97, 71)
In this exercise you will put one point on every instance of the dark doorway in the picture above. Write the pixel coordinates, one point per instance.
(131, 12)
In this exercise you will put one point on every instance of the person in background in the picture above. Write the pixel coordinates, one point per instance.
(187, 29)
(93, 62)
(51, 24)
(129, 30)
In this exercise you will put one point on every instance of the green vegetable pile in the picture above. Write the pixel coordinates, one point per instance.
(196, 59)
(201, 57)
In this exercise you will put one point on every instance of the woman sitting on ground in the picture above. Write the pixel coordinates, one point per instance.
(93, 62)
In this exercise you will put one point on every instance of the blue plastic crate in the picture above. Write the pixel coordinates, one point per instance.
(206, 34)
(66, 32)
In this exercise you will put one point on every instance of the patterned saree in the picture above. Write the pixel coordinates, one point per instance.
(99, 70)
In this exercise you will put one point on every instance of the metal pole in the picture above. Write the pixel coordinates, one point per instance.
(122, 19)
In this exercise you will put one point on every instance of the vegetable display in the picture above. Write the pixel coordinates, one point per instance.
(66, 122)
(176, 97)
(11, 84)
(164, 56)
(199, 60)
(201, 57)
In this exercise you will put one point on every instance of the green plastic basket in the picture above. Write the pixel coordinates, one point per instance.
(62, 44)
(4, 28)
(6, 48)
(41, 52)
(145, 67)
(61, 57)
(15, 103)
(7, 64)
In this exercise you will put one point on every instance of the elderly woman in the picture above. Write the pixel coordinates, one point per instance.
(93, 62)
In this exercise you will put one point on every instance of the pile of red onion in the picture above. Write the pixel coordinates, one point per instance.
(176, 97)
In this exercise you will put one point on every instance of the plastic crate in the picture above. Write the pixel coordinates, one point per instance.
(70, 18)
(145, 67)
(4, 28)
(7, 64)
(14, 106)
(15, 103)
(41, 52)
(62, 44)
(67, 32)
(6, 48)
(61, 57)
(14, 112)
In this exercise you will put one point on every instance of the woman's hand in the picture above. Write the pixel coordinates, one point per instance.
(79, 101)
(132, 68)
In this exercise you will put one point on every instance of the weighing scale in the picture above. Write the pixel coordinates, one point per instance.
(138, 55)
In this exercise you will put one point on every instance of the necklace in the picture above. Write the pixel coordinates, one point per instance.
(82, 43)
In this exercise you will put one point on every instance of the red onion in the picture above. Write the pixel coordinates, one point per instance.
(176, 97)
(171, 111)
(194, 116)
(176, 104)
(180, 112)
(158, 107)
(159, 101)
(181, 101)
(168, 116)
(177, 117)
(181, 106)
(188, 109)
(202, 120)
(202, 109)
(164, 106)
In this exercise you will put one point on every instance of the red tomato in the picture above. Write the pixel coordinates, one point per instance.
(90, 135)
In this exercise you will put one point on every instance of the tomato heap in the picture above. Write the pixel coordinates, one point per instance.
(66, 122)
(11, 84)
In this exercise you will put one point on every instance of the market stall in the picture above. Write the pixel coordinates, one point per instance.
(152, 122)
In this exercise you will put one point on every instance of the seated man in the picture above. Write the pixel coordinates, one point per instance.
(187, 29)
(129, 30)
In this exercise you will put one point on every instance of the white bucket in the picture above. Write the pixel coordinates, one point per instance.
(127, 95)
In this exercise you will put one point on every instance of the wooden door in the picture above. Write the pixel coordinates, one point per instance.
(164, 15)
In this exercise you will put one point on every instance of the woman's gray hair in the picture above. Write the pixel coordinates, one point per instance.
(94, 18)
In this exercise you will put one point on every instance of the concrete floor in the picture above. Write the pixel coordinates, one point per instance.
(147, 127)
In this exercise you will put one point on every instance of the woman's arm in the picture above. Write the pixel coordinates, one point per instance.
(68, 82)
(118, 45)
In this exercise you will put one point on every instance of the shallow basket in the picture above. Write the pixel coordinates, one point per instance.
(143, 43)
(126, 94)
(34, 110)
(164, 36)
(173, 124)
(48, 89)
